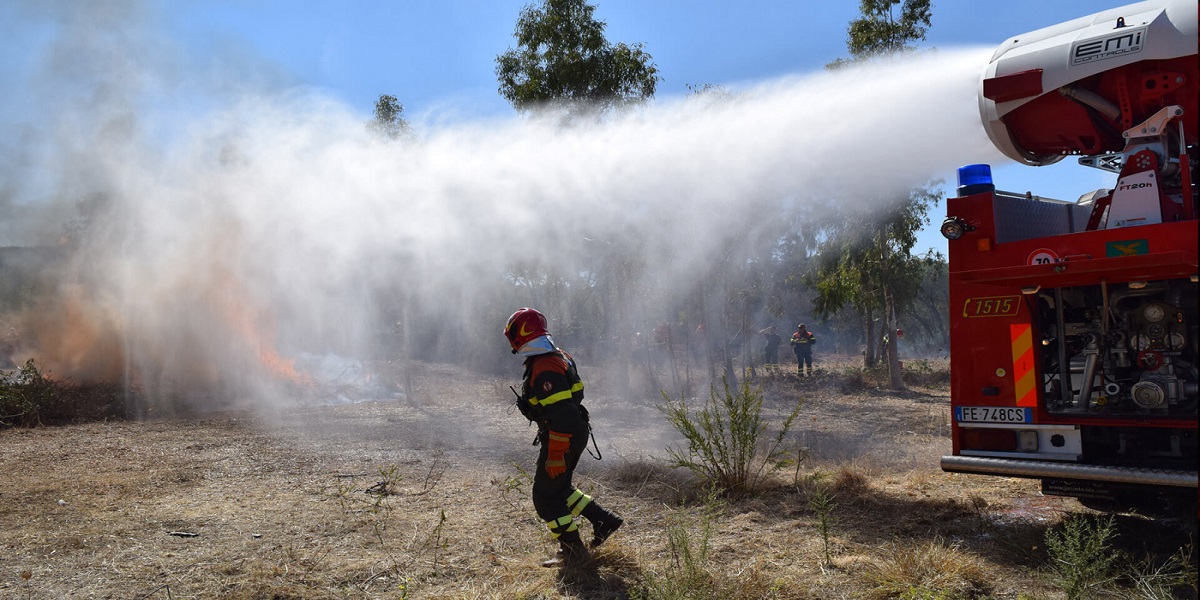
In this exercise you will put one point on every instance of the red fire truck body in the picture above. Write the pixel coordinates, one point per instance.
(1074, 325)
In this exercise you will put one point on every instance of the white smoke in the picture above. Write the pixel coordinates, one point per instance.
(235, 221)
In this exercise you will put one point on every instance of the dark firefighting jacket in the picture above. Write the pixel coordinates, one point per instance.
(552, 393)
(802, 344)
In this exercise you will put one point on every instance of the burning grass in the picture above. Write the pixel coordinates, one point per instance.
(429, 498)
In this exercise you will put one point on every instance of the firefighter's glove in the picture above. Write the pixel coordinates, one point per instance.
(556, 453)
(527, 410)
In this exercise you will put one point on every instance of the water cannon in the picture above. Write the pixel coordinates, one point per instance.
(1121, 90)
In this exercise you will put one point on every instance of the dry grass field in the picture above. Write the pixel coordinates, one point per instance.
(427, 497)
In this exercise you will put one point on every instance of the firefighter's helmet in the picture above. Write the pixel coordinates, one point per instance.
(524, 325)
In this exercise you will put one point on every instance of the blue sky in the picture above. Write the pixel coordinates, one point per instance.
(432, 52)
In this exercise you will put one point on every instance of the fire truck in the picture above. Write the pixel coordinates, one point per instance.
(1074, 346)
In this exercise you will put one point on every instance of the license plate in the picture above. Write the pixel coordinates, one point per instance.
(993, 414)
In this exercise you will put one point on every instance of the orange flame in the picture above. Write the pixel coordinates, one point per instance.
(255, 329)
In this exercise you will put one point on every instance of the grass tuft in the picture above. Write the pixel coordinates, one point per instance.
(927, 571)
(689, 573)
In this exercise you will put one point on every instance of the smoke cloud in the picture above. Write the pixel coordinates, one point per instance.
(220, 223)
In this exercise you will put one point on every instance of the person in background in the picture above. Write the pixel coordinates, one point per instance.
(771, 352)
(551, 396)
(802, 343)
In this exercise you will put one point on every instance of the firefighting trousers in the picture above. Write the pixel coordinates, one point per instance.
(556, 500)
(804, 359)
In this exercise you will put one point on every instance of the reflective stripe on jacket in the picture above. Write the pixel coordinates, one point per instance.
(803, 342)
(553, 390)
(551, 378)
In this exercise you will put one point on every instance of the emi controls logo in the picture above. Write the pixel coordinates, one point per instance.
(1122, 42)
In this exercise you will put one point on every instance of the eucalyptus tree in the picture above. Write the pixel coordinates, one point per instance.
(869, 265)
(388, 121)
(562, 57)
(562, 60)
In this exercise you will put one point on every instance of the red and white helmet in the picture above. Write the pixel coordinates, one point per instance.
(524, 325)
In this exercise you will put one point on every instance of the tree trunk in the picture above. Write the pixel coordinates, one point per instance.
(889, 313)
(869, 331)
(895, 373)
(730, 376)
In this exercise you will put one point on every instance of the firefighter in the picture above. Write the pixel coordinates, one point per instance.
(771, 352)
(551, 396)
(802, 343)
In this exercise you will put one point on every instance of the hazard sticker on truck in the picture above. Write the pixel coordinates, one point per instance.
(993, 414)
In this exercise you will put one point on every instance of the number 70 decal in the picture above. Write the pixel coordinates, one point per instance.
(992, 306)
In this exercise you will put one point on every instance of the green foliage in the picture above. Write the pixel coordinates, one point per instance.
(820, 501)
(866, 261)
(711, 92)
(688, 570)
(29, 398)
(880, 31)
(562, 55)
(854, 265)
(389, 120)
(26, 396)
(1082, 558)
(726, 444)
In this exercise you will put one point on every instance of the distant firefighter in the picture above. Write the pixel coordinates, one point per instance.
(771, 352)
(551, 396)
(802, 343)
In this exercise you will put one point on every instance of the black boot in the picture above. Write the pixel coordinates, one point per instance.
(604, 528)
(604, 522)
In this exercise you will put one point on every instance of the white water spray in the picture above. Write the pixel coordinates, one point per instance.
(274, 225)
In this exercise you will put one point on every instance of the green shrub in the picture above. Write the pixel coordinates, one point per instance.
(1081, 555)
(26, 396)
(821, 502)
(686, 575)
(725, 438)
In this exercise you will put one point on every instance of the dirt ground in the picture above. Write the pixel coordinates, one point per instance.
(427, 497)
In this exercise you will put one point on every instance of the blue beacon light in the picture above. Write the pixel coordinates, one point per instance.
(975, 179)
